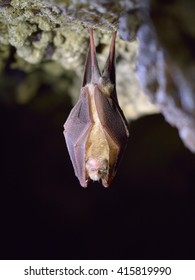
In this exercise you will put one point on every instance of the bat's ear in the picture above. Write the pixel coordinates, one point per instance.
(91, 70)
(109, 68)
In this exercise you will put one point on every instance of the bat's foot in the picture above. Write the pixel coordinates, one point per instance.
(106, 183)
(85, 183)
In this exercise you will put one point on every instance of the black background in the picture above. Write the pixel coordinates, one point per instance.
(147, 213)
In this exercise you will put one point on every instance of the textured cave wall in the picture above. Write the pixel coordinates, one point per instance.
(166, 63)
(47, 42)
(53, 36)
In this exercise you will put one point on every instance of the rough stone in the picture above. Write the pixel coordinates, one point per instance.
(166, 64)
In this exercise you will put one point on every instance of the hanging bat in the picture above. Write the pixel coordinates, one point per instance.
(96, 130)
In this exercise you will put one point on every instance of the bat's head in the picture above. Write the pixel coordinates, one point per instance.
(98, 169)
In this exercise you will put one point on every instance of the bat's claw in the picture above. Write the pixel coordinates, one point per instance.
(105, 183)
(84, 184)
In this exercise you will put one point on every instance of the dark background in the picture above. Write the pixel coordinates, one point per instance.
(147, 213)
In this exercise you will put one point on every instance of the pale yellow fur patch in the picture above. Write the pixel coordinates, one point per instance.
(97, 146)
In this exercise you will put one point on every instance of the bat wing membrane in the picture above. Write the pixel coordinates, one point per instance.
(76, 131)
(113, 123)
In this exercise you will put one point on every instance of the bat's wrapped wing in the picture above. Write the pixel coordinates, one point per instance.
(76, 131)
(115, 128)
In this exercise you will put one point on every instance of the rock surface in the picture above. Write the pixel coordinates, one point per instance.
(46, 41)
(166, 63)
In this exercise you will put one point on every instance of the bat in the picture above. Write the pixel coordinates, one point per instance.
(96, 131)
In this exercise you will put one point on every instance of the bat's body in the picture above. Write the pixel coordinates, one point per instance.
(96, 132)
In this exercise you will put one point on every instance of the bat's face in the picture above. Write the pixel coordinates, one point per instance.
(96, 132)
(97, 168)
